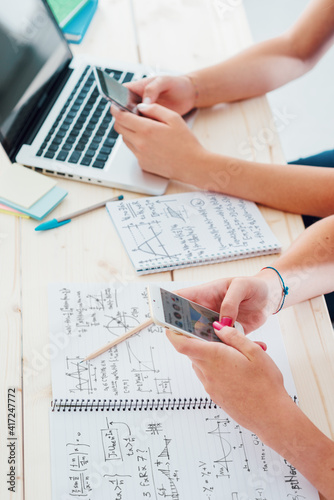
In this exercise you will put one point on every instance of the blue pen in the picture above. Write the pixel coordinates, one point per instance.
(64, 220)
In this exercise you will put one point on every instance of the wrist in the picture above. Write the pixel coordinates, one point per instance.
(270, 429)
(194, 89)
(275, 290)
(196, 168)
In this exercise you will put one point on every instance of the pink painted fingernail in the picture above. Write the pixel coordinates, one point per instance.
(226, 321)
(218, 325)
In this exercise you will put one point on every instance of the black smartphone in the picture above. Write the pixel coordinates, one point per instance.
(115, 92)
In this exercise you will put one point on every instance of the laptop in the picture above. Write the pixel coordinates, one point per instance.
(52, 117)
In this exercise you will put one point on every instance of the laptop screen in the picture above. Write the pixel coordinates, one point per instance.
(33, 52)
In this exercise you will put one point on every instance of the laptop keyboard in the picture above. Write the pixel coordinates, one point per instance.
(83, 132)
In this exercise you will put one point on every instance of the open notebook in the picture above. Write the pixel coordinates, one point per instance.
(136, 422)
(189, 229)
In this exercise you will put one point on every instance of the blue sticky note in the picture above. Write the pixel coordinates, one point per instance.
(43, 206)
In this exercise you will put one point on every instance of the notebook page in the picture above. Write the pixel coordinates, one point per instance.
(146, 366)
(179, 230)
(85, 317)
(179, 454)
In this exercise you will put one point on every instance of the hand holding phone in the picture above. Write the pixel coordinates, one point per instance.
(182, 315)
(115, 92)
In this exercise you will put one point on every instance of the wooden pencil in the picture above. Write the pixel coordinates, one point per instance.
(119, 339)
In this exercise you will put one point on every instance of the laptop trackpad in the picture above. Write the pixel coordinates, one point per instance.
(124, 169)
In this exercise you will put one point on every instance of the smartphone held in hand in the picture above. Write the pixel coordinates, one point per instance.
(182, 315)
(115, 92)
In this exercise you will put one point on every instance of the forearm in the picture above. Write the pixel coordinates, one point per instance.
(250, 73)
(303, 445)
(308, 266)
(291, 188)
(272, 63)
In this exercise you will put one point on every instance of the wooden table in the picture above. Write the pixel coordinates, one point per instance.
(179, 35)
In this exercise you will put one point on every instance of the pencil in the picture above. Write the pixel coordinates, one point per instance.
(118, 340)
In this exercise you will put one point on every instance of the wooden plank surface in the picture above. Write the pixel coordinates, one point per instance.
(178, 35)
(86, 250)
(10, 351)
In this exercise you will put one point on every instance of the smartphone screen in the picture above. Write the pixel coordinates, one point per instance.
(189, 316)
(116, 92)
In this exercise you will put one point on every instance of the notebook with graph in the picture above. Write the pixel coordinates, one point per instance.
(189, 229)
(136, 422)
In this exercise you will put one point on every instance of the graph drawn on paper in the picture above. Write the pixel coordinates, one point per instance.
(147, 239)
(181, 213)
(163, 465)
(165, 451)
(121, 323)
(225, 446)
(242, 447)
(96, 301)
(104, 300)
(83, 375)
(140, 364)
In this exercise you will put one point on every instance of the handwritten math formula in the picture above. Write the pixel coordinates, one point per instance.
(183, 454)
(136, 422)
(145, 366)
(190, 228)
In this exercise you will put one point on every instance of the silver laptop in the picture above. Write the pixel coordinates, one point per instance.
(52, 117)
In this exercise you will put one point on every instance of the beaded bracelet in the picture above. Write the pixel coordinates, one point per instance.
(285, 289)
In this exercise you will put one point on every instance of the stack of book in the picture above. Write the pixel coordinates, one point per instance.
(73, 17)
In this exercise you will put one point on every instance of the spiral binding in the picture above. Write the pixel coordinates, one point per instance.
(82, 405)
(214, 259)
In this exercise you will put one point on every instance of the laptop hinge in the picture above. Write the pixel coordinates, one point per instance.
(42, 109)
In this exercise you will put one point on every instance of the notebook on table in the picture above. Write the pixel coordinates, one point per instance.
(136, 422)
(189, 229)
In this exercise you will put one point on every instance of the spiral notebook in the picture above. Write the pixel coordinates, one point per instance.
(188, 229)
(136, 422)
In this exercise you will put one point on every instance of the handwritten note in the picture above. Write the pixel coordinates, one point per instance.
(186, 454)
(146, 366)
(189, 229)
(86, 317)
(136, 422)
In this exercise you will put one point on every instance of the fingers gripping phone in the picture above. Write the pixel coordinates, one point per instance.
(182, 315)
(115, 92)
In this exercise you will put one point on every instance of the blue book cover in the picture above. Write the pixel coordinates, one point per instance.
(75, 30)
